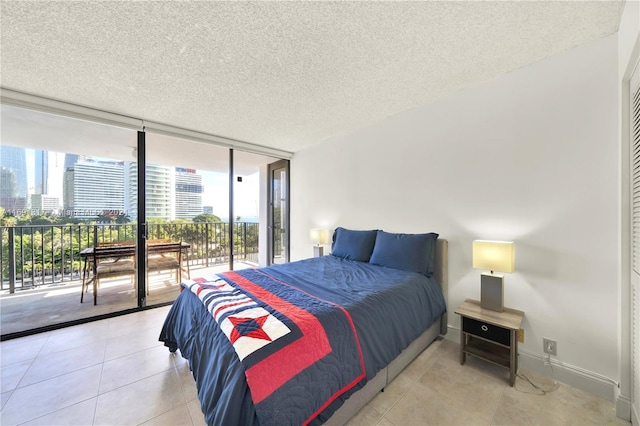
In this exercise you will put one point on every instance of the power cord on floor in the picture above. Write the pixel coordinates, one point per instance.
(539, 390)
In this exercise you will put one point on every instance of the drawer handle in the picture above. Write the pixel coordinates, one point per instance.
(484, 328)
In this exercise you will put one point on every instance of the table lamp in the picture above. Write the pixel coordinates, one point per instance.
(318, 238)
(493, 256)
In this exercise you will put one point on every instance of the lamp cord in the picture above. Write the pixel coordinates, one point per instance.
(539, 389)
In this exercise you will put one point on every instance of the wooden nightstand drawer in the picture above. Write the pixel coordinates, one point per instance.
(486, 331)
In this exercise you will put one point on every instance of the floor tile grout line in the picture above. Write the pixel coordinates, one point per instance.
(55, 411)
(171, 408)
(173, 356)
(32, 359)
(184, 399)
(451, 400)
(73, 347)
(20, 386)
(21, 377)
(413, 384)
(184, 396)
(384, 419)
(130, 353)
(95, 406)
(130, 383)
(497, 405)
(2, 406)
(398, 400)
(404, 394)
(31, 363)
(54, 377)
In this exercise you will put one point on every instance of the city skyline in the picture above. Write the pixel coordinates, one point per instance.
(214, 186)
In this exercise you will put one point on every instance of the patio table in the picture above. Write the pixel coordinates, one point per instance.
(122, 251)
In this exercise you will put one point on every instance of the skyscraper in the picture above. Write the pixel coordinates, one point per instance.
(188, 195)
(92, 188)
(13, 178)
(41, 172)
(70, 160)
(158, 195)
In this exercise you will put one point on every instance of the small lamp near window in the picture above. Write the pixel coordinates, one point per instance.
(493, 256)
(319, 237)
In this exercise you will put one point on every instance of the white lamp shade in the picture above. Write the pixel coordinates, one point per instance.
(319, 236)
(494, 255)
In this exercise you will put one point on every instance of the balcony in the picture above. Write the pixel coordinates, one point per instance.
(42, 268)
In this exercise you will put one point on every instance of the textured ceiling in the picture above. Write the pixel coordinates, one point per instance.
(279, 74)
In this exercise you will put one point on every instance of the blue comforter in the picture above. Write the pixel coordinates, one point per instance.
(388, 307)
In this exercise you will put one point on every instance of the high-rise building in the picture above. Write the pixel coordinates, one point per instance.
(188, 194)
(43, 203)
(41, 172)
(67, 191)
(70, 160)
(93, 188)
(13, 178)
(159, 193)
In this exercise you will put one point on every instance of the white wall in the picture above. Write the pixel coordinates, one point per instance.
(532, 157)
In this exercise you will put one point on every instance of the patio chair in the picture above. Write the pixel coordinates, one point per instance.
(110, 260)
(165, 256)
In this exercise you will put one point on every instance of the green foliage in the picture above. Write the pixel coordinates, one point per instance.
(48, 247)
(111, 218)
(42, 219)
(9, 221)
(156, 220)
(206, 217)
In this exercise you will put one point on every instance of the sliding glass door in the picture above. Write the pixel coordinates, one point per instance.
(98, 219)
(250, 209)
(187, 202)
(64, 190)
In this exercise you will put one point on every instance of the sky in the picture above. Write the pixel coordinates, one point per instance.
(216, 187)
(216, 194)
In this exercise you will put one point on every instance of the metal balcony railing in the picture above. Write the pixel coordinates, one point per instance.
(36, 255)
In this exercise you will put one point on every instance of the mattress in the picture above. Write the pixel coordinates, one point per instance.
(388, 308)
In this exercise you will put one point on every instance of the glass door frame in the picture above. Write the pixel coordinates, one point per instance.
(281, 164)
(141, 238)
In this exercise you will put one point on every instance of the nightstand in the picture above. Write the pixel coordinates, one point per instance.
(490, 335)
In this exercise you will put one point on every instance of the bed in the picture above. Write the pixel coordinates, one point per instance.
(311, 341)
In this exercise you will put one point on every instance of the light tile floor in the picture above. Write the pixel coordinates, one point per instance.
(115, 372)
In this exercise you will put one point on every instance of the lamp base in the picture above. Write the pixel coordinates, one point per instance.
(318, 251)
(492, 292)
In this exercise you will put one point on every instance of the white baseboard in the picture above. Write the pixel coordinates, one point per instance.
(577, 377)
(623, 407)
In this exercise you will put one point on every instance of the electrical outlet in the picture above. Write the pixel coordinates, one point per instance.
(521, 335)
(550, 346)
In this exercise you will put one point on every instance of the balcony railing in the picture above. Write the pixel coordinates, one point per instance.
(38, 255)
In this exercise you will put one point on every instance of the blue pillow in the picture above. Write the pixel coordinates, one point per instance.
(410, 252)
(353, 245)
